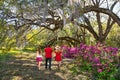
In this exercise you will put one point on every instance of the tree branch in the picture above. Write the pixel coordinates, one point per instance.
(108, 29)
(36, 34)
(99, 24)
(102, 10)
(89, 29)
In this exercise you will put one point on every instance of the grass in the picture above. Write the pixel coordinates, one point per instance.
(21, 65)
(8, 55)
(28, 50)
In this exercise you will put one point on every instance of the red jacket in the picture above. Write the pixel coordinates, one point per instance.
(48, 52)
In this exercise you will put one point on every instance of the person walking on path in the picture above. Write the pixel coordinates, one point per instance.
(39, 57)
(48, 55)
(58, 56)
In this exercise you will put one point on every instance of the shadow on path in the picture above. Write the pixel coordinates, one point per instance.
(24, 68)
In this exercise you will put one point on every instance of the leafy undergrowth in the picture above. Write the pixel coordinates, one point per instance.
(22, 66)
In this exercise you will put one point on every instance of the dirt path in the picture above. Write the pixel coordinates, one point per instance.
(23, 67)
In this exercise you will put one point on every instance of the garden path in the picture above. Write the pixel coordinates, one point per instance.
(23, 67)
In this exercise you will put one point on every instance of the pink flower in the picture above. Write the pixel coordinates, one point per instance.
(88, 48)
(111, 61)
(105, 65)
(99, 70)
(96, 60)
(98, 64)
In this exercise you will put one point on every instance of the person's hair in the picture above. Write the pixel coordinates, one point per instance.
(48, 45)
(39, 50)
(57, 48)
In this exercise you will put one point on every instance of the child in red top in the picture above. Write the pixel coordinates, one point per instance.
(58, 56)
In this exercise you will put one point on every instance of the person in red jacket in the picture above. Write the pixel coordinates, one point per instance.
(48, 55)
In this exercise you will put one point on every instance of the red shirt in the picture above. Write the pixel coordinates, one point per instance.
(58, 56)
(48, 52)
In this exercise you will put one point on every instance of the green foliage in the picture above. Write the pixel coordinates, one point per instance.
(104, 75)
(117, 74)
(7, 37)
(102, 65)
(80, 67)
(115, 40)
(29, 49)
(75, 70)
(6, 55)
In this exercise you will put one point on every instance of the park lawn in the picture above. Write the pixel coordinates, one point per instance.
(20, 65)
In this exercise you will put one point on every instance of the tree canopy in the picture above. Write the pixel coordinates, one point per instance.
(18, 18)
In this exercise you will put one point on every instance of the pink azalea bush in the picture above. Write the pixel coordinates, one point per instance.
(101, 58)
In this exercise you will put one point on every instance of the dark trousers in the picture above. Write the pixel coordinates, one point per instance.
(48, 60)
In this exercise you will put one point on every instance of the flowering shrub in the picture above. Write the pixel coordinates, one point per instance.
(102, 59)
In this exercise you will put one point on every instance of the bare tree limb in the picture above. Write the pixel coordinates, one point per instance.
(99, 24)
(103, 10)
(89, 29)
(36, 34)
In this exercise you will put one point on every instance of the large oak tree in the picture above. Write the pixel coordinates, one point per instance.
(96, 16)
